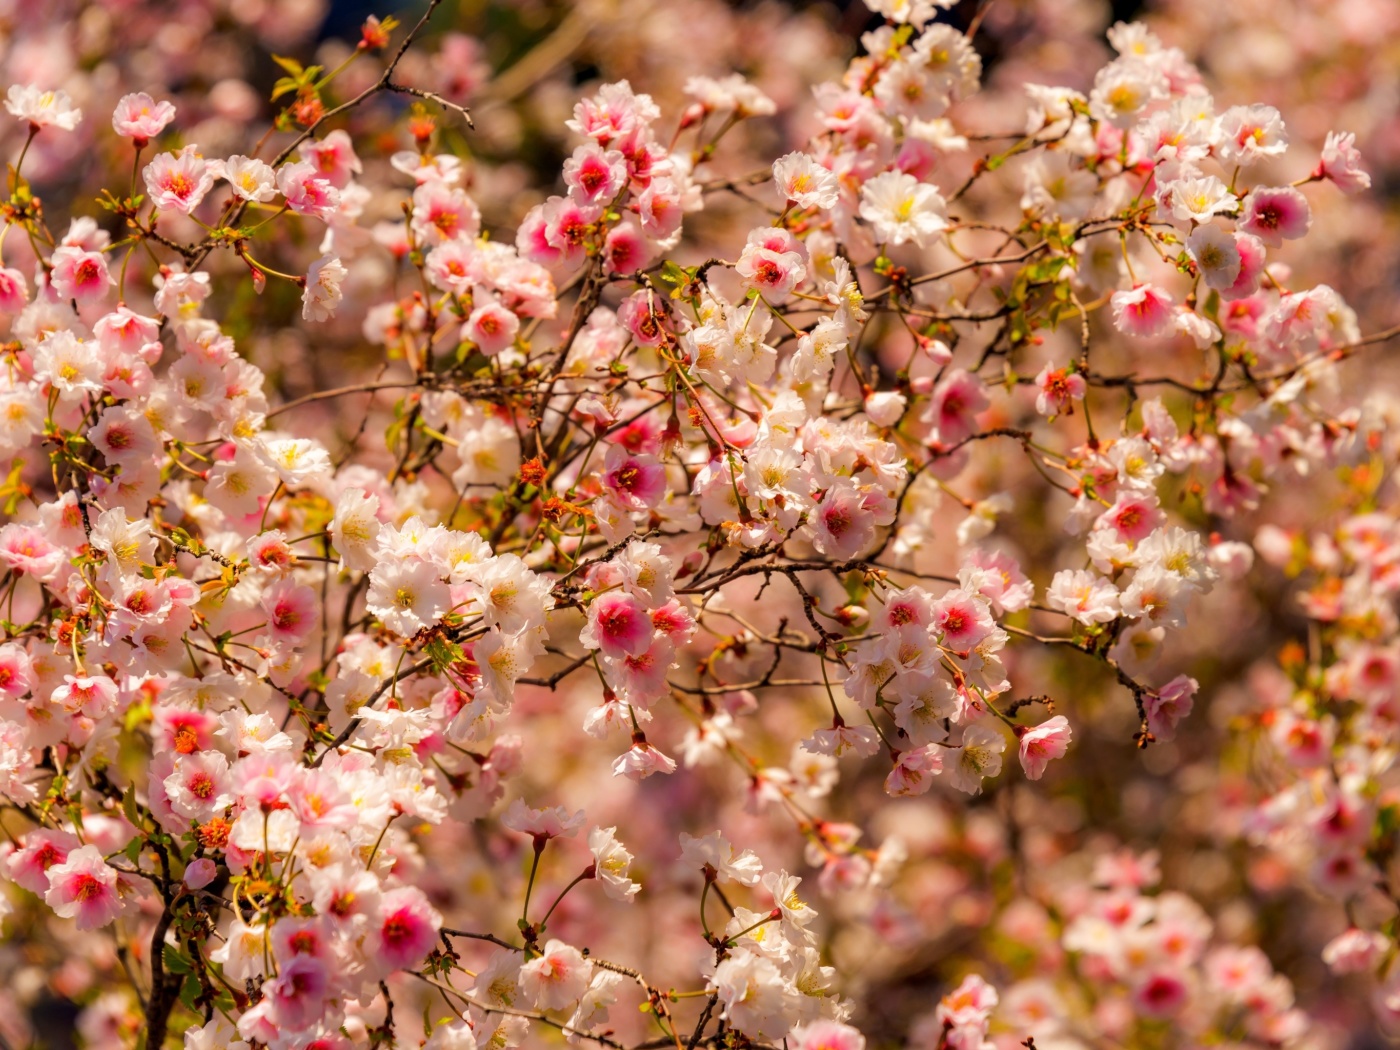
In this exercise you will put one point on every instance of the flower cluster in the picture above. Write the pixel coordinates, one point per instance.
(764, 516)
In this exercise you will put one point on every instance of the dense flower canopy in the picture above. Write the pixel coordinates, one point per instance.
(633, 540)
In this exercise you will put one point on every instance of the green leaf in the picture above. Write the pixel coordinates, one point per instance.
(291, 65)
(174, 961)
(676, 275)
(284, 86)
(190, 992)
(443, 652)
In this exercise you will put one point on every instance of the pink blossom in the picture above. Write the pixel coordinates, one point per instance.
(141, 118)
(618, 624)
(1146, 311)
(953, 409)
(970, 1003)
(38, 851)
(200, 872)
(549, 823)
(1161, 994)
(16, 671)
(406, 928)
(179, 181)
(842, 523)
(292, 611)
(913, 770)
(491, 327)
(333, 157)
(1059, 389)
(1041, 743)
(308, 191)
(1168, 705)
(80, 275)
(826, 1035)
(645, 317)
(1132, 518)
(84, 886)
(1341, 163)
(595, 175)
(637, 482)
(772, 273)
(296, 996)
(14, 292)
(642, 760)
(1275, 214)
(1355, 951)
(556, 978)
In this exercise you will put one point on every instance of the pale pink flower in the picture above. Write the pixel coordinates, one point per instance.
(1355, 951)
(618, 624)
(333, 157)
(914, 770)
(1058, 389)
(901, 208)
(38, 851)
(1253, 259)
(636, 482)
(610, 862)
(200, 786)
(251, 179)
(1161, 994)
(1168, 705)
(80, 275)
(95, 696)
(42, 109)
(292, 611)
(1084, 595)
(1132, 517)
(713, 851)
(16, 671)
(961, 620)
(307, 191)
(557, 978)
(200, 872)
(842, 739)
(770, 272)
(659, 209)
(645, 318)
(28, 550)
(296, 997)
(179, 181)
(804, 181)
(1041, 743)
(442, 213)
(885, 408)
(491, 327)
(453, 266)
(141, 118)
(1341, 163)
(641, 760)
(14, 291)
(842, 524)
(1145, 311)
(1275, 214)
(826, 1035)
(84, 887)
(322, 294)
(970, 1003)
(406, 928)
(550, 823)
(953, 409)
(595, 175)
